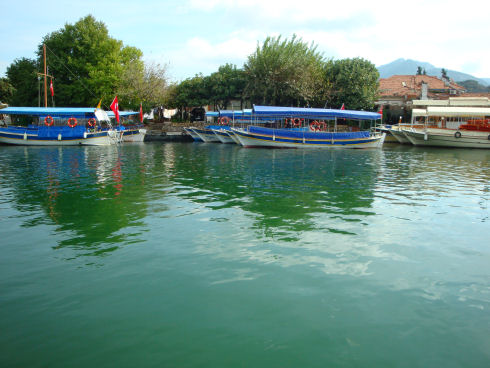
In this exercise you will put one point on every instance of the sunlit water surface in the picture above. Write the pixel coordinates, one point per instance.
(212, 255)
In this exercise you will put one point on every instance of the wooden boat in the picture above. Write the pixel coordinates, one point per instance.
(55, 126)
(305, 129)
(461, 127)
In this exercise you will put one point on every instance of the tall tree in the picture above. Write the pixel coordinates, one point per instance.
(147, 85)
(353, 82)
(284, 72)
(22, 76)
(225, 85)
(87, 63)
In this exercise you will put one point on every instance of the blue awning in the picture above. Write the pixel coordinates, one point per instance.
(313, 113)
(60, 112)
(78, 112)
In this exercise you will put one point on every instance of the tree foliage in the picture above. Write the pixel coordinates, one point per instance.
(225, 85)
(353, 82)
(283, 72)
(146, 84)
(6, 90)
(87, 63)
(22, 77)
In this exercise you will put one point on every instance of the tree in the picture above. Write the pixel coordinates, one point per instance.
(191, 92)
(147, 85)
(21, 75)
(284, 72)
(444, 74)
(87, 63)
(7, 91)
(227, 84)
(419, 70)
(353, 82)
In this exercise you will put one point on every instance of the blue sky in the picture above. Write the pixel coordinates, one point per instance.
(197, 36)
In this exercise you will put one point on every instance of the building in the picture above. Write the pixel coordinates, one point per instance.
(397, 92)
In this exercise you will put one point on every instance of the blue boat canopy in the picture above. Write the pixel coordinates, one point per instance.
(78, 112)
(313, 113)
(60, 112)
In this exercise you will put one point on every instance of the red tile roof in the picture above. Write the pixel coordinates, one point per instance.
(411, 85)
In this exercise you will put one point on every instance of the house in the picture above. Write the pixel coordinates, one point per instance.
(397, 92)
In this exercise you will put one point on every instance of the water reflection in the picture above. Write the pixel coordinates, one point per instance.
(80, 190)
(338, 209)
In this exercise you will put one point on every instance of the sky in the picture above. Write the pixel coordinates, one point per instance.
(197, 36)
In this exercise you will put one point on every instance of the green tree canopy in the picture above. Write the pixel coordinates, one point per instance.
(353, 82)
(87, 63)
(284, 72)
(22, 76)
(227, 84)
(145, 84)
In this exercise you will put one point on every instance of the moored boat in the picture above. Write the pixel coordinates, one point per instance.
(55, 126)
(193, 134)
(460, 127)
(306, 130)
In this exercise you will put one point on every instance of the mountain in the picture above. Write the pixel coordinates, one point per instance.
(408, 66)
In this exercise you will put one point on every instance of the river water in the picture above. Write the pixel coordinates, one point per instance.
(212, 255)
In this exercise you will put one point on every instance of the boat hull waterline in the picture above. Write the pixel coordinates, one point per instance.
(448, 138)
(275, 139)
(22, 137)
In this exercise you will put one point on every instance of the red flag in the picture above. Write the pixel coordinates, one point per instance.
(51, 88)
(343, 107)
(115, 108)
(141, 112)
(380, 110)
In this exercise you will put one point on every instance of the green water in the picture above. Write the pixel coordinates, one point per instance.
(212, 255)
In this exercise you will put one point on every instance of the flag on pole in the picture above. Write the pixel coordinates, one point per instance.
(115, 108)
(343, 107)
(51, 88)
(141, 112)
(381, 112)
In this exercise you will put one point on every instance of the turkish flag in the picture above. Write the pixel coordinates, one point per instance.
(51, 88)
(141, 112)
(343, 107)
(115, 108)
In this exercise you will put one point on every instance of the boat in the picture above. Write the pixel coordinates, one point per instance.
(460, 127)
(222, 134)
(397, 132)
(206, 134)
(55, 126)
(298, 127)
(193, 134)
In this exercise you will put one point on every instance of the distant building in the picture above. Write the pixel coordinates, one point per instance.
(397, 92)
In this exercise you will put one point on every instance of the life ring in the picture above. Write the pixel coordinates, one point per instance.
(323, 126)
(91, 122)
(48, 121)
(315, 126)
(457, 135)
(225, 120)
(296, 122)
(74, 124)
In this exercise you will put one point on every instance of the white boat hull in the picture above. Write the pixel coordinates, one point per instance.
(223, 136)
(134, 135)
(104, 138)
(248, 139)
(206, 135)
(448, 138)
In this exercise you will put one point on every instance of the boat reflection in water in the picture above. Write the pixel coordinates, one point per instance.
(81, 191)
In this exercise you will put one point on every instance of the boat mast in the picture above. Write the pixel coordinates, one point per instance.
(45, 75)
(45, 78)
